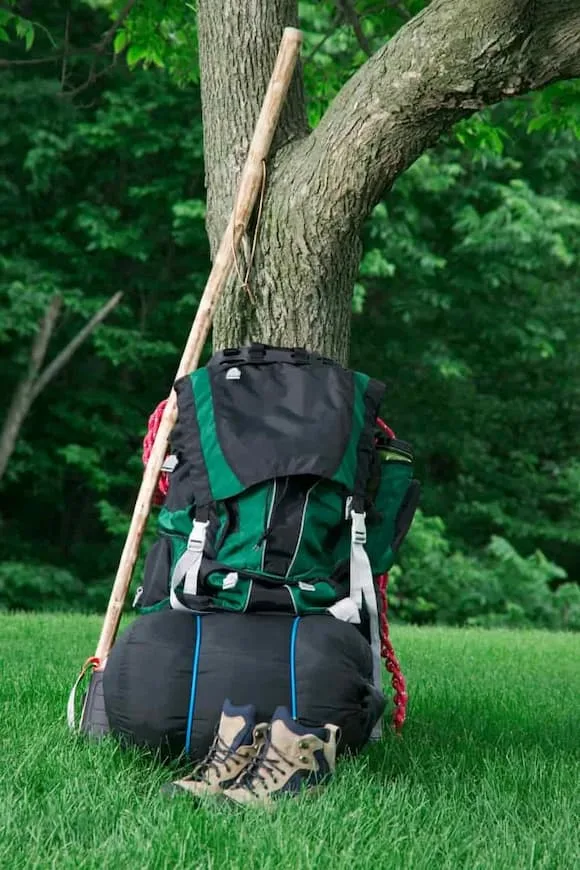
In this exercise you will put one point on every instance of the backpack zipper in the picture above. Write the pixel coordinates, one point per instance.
(264, 539)
(301, 532)
(138, 596)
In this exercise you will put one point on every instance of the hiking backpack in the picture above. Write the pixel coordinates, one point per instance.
(284, 494)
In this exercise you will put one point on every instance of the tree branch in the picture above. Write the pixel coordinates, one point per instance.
(40, 344)
(397, 5)
(109, 34)
(336, 22)
(349, 13)
(64, 356)
(32, 384)
(66, 51)
(442, 66)
(33, 61)
(23, 398)
(92, 77)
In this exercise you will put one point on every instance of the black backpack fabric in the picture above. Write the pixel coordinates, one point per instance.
(169, 673)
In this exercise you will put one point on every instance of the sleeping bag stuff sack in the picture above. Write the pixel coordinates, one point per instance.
(169, 673)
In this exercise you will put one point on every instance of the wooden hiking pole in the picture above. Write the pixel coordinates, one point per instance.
(248, 189)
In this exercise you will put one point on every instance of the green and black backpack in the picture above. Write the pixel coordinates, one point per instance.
(284, 493)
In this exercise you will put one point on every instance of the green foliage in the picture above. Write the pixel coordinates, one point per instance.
(94, 199)
(38, 587)
(162, 34)
(15, 26)
(481, 135)
(557, 108)
(491, 587)
(470, 270)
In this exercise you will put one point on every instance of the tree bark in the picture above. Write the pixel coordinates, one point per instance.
(455, 58)
(32, 383)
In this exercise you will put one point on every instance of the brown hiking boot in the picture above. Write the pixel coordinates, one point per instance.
(237, 743)
(294, 759)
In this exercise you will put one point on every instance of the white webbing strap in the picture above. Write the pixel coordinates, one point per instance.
(360, 567)
(71, 704)
(362, 588)
(187, 566)
(345, 610)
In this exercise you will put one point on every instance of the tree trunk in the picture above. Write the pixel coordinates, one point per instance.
(23, 395)
(294, 264)
(454, 58)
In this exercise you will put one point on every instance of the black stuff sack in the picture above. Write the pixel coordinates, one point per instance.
(169, 673)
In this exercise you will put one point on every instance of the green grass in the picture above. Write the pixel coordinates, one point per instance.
(485, 776)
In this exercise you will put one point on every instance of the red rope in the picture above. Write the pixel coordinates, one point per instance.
(148, 441)
(387, 650)
(391, 661)
(386, 429)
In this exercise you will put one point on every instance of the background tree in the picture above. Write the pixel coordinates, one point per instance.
(36, 377)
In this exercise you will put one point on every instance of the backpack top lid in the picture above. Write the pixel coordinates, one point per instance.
(260, 412)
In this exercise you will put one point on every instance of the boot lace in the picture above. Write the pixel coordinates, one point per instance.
(268, 764)
(220, 753)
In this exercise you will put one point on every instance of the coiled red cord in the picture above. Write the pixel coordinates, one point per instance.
(392, 665)
(148, 441)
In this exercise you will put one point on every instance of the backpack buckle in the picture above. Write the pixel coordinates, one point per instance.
(196, 540)
(300, 355)
(257, 351)
(170, 463)
(359, 529)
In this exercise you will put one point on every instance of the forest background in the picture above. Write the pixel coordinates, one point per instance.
(466, 304)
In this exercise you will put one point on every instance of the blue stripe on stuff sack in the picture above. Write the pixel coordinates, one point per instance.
(293, 686)
(194, 673)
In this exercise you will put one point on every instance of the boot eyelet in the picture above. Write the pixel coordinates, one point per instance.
(303, 744)
(303, 759)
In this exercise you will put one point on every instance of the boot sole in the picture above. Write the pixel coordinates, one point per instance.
(272, 802)
(172, 790)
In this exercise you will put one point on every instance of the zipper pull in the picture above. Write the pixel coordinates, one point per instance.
(262, 538)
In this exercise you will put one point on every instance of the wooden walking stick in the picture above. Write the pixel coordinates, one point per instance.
(93, 718)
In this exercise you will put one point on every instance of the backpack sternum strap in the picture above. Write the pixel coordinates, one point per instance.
(187, 567)
(360, 566)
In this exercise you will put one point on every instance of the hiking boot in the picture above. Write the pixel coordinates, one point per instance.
(237, 742)
(294, 759)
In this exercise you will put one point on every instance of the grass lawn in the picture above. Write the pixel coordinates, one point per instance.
(487, 774)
